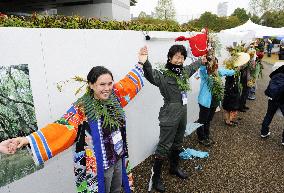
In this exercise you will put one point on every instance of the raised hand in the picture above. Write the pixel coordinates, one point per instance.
(143, 55)
(8, 147)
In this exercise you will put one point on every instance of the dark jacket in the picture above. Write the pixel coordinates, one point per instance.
(231, 101)
(275, 88)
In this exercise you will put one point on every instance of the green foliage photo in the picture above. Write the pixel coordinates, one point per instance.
(17, 118)
(17, 113)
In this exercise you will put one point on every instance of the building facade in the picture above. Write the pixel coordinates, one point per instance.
(222, 9)
(104, 9)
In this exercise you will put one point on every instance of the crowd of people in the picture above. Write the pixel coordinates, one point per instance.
(95, 123)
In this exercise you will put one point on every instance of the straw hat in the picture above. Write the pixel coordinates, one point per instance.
(243, 58)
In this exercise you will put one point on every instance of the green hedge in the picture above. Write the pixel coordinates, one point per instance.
(76, 22)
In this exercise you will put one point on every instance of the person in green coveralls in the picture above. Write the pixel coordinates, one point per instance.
(173, 85)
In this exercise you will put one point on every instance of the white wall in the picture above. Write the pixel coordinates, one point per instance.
(54, 55)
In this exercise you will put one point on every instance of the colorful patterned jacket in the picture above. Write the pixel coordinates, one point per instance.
(75, 128)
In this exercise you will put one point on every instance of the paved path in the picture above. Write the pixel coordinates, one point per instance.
(240, 161)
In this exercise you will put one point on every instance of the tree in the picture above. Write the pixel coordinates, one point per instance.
(165, 10)
(142, 14)
(241, 14)
(230, 22)
(259, 7)
(254, 18)
(209, 20)
(277, 5)
(273, 18)
(214, 23)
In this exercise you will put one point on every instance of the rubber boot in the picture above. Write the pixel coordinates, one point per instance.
(158, 184)
(174, 165)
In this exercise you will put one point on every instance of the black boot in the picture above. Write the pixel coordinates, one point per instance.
(174, 165)
(158, 184)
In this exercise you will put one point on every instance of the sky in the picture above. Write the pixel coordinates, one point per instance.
(186, 9)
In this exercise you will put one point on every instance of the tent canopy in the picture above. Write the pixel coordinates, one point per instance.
(258, 30)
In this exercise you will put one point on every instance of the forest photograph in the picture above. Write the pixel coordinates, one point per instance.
(17, 118)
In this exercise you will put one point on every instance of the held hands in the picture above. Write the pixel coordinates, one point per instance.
(20, 141)
(143, 55)
(10, 146)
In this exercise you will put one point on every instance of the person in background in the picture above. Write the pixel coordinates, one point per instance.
(269, 47)
(256, 71)
(95, 123)
(172, 81)
(247, 79)
(231, 101)
(244, 70)
(275, 93)
(210, 95)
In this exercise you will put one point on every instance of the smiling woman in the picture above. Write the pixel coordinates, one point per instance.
(100, 82)
(95, 123)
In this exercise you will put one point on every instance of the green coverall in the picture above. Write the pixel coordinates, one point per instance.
(173, 114)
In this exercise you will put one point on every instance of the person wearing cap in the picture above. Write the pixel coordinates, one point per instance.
(269, 47)
(210, 96)
(275, 93)
(172, 82)
(248, 77)
(231, 101)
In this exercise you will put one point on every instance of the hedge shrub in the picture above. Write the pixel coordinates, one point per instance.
(77, 22)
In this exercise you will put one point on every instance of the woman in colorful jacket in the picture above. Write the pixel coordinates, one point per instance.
(210, 95)
(95, 123)
(173, 85)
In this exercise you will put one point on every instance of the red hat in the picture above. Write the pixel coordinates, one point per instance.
(198, 43)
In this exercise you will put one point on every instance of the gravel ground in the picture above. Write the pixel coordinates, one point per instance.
(239, 161)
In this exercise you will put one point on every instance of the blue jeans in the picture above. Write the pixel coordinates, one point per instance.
(271, 110)
(251, 93)
(113, 178)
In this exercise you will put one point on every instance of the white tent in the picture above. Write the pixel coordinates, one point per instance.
(258, 30)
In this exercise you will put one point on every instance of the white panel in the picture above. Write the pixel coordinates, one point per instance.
(23, 46)
(65, 57)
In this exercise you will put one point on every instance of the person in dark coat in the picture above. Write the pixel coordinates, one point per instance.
(232, 93)
(231, 101)
(245, 88)
(275, 92)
